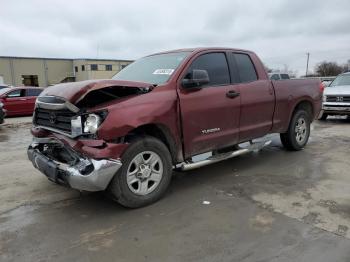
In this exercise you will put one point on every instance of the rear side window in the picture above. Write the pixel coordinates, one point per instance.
(33, 92)
(216, 66)
(246, 68)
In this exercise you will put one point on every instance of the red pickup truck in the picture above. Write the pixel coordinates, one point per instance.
(126, 134)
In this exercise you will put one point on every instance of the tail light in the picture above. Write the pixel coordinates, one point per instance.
(322, 87)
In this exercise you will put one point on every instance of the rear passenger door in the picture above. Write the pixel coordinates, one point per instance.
(257, 98)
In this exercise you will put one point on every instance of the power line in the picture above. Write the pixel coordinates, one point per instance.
(307, 63)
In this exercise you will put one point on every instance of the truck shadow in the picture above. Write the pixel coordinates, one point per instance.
(229, 176)
(271, 170)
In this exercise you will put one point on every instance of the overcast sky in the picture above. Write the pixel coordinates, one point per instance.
(280, 32)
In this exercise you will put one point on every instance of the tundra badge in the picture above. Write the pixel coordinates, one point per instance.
(212, 130)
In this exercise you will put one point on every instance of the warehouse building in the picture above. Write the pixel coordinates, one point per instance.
(35, 71)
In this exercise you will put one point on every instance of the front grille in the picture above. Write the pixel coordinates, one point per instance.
(56, 119)
(338, 99)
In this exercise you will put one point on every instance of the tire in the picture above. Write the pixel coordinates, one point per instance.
(296, 140)
(323, 117)
(145, 173)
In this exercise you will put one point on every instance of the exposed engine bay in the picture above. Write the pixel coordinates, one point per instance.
(110, 93)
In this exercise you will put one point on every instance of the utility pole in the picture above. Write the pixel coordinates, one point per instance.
(307, 63)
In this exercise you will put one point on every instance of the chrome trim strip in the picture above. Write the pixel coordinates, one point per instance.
(335, 108)
(54, 106)
(217, 158)
(205, 162)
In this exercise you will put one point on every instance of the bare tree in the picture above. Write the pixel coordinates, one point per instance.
(328, 69)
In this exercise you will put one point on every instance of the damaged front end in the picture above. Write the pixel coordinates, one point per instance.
(66, 147)
(64, 166)
(60, 115)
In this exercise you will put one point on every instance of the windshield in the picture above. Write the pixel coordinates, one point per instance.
(155, 69)
(342, 80)
(4, 90)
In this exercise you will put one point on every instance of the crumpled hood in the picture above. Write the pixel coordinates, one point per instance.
(337, 90)
(75, 91)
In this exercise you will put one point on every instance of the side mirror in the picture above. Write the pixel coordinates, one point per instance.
(198, 78)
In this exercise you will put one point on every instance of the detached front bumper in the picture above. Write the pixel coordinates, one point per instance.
(69, 168)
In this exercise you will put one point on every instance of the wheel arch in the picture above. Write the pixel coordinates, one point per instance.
(305, 104)
(160, 132)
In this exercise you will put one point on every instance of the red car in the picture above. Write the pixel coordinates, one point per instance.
(19, 100)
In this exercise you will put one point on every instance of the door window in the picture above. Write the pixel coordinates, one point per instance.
(246, 68)
(33, 92)
(216, 66)
(16, 93)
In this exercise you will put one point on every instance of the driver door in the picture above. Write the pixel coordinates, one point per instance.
(210, 113)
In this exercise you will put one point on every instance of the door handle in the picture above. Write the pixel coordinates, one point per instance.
(23, 99)
(232, 94)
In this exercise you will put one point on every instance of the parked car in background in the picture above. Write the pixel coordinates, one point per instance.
(336, 97)
(19, 100)
(278, 76)
(2, 113)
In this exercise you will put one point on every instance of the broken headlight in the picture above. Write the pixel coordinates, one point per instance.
(92, 123)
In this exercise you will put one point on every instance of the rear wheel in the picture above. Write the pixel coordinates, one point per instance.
(145, 174)
(298, 132)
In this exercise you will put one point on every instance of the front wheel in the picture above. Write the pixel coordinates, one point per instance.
(145, 174)
(298, 132)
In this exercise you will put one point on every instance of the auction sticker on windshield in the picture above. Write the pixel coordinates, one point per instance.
(163, 71)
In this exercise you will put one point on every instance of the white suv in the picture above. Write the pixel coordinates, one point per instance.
(336, 97)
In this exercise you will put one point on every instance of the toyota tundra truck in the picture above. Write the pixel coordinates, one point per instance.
(336, 98)
(179, 109)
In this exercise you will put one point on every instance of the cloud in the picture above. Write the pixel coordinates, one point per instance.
(281, 32)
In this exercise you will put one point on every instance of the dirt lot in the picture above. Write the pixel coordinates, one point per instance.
(268, 206)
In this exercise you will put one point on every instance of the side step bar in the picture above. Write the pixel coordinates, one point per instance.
(217, 158)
